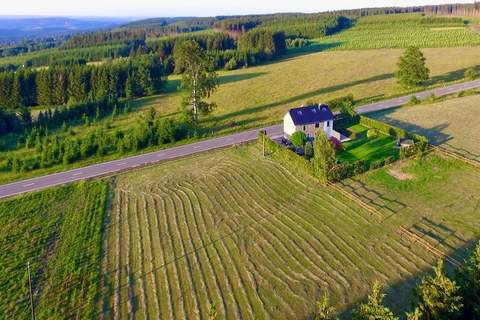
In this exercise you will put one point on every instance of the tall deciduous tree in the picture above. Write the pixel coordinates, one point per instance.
(373, 308)
(412, 69)
(469, 281)
(199, 79)
(324, 155)
(438, 297)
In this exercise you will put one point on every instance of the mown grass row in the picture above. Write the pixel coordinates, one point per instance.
(247, 236)
(59, 232)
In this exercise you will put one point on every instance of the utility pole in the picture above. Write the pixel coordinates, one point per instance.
(31, 292)
(264, 134)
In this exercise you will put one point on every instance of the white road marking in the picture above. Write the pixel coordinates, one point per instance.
(28, 185)
(77, 173)
(121, 164)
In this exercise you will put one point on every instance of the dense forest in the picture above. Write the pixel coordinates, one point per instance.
(466, 9)
(58, 85)
(136, 76)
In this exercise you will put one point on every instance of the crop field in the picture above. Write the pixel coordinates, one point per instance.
(59, 232)
(451, 123)
(401, 31)
(238, 233)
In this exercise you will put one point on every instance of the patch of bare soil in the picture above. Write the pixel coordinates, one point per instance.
(397, 173)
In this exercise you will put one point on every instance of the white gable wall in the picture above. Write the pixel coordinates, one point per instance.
(288, 126)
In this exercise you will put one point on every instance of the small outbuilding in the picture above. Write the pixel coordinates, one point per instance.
(308, 120)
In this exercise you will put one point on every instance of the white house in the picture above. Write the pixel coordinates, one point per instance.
(309, 120)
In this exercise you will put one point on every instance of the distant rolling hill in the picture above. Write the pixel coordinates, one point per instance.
(13, 28)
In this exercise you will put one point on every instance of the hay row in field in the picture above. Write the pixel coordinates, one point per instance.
(246, 236)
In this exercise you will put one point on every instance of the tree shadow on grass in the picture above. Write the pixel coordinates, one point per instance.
(303, 96)
(210, 128)
(312, 48)
(370, 196)
(436, 133)
(449, 76)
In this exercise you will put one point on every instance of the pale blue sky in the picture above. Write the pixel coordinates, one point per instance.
(161, 8)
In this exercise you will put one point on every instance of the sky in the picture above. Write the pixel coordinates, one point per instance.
(169, 8)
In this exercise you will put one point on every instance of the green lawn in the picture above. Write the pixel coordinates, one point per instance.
(369, 150)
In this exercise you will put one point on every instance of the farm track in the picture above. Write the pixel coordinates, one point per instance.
(248, 237)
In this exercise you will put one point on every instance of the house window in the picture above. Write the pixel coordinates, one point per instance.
(304, 128)
(328, 124)
(317, 125)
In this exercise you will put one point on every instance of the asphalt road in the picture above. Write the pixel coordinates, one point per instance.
(112, 167)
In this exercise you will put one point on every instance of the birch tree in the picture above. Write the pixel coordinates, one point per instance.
(199, 80)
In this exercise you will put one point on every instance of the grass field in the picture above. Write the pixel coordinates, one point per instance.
(436, 199)
(369, 150)
(451, 123)
(237, 231)
(400, 31)
(59, 232)
(254, 97)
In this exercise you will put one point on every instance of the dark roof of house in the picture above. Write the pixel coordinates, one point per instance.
(311, 114)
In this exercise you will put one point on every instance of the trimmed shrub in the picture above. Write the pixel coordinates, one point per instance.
(286, 157)
(389, 160)
(372, 134)
(471, 74)
(407, 152)
(298, 139)
(377, 164)
(340, 172)
(337, 144)
(414, 100)
(359, 167)
(383, 127)
(308, 151)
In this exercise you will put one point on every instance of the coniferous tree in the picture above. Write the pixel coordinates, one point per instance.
(25, 117)
(469, 281)
(438, 297)
(373, 309)
(323, 309)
